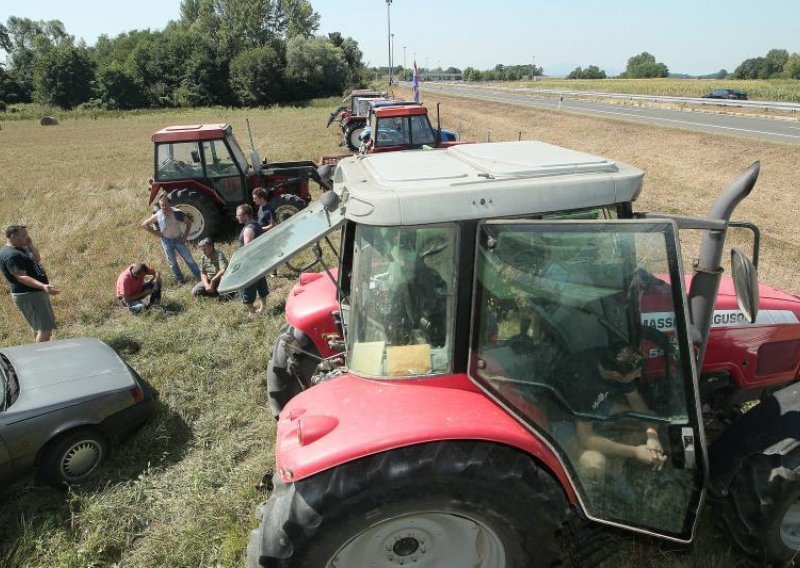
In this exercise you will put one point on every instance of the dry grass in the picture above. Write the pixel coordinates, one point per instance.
(182, 493)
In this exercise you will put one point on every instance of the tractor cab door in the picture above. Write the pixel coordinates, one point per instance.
(225, 172)
(280, 244)
(580, 329)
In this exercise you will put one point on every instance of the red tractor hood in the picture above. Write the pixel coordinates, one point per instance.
(309, 306)
(360, 417)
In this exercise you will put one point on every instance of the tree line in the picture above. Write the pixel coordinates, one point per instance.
(220, 52)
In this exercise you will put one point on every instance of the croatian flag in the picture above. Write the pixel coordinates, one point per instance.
(415, 83)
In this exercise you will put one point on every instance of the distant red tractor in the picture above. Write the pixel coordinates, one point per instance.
(206, 174)
(404, 127)
(353, 115)
(521, 359)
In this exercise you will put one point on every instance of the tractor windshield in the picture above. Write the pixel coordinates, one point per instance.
(402, 301)
(580, 328)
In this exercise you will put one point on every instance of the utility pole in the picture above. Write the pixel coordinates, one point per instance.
(533, 68)
(404, 58)
(391, 61)
(389, 35)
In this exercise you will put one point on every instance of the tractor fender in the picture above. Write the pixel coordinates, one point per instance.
(772, 427)
(309, 306)
(169, 187)
(350, 417)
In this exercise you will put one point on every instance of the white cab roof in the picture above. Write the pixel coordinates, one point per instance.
(478, 181)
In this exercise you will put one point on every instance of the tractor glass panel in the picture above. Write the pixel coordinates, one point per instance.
(580, 330)
(178, 161)
(223, 171)
(402, 301)
(421, 131)
(392, 131)
(238, 154)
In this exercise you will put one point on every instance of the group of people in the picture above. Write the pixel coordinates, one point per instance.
(138, 286)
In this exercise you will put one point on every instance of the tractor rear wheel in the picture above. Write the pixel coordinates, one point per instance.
(352, 133)
(453, 503)
(205, 213)
(761, 510)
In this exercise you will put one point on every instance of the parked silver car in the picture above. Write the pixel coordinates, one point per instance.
(63, 404)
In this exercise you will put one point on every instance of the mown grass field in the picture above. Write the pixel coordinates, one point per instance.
(786, 90)
(182, 492)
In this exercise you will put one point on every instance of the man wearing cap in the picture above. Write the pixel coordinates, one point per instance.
(133, 287)
(212, 266)
(30, 287)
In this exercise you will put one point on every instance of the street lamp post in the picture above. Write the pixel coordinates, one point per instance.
(389, 37)
(404, 58)
(391, 59)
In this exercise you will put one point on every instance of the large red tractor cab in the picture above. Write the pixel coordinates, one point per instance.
(502, 376)
(207, 175)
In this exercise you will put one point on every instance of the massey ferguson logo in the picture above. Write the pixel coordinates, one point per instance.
(665, 321)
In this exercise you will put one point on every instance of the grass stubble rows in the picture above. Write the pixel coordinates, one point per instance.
(182, 492)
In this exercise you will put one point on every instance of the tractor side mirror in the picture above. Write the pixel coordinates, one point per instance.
(745, 282)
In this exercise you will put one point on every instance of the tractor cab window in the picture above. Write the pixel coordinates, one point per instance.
(392, 131)
(579, 328)
(238, 155)
(223, 172)
(421, 131)
(180, 160)
(402, 296)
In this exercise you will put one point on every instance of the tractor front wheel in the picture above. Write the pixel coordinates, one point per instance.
(289, 374)
(204, 212)
(454, 503)
(286, 205)
(761, 510)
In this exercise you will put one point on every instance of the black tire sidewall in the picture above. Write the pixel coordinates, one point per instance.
(782, 501)
(282, 203)
(348, 134)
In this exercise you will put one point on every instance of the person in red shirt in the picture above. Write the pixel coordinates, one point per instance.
(133, 286)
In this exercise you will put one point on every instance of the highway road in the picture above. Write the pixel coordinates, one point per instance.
(771, 129)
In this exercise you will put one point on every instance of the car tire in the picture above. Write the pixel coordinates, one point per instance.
(451, 503)
(73, 457)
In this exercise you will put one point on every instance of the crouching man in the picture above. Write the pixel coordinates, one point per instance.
(133, 286)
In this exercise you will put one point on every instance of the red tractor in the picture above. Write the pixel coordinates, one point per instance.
(403, 127)
(205, 172)
(353, 115)
(523, 355)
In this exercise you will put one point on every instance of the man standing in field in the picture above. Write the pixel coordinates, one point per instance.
(30, 287)
(173, 228)
(251, 229)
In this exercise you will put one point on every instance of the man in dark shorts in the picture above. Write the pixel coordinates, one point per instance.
(30, 287)
(250, 231)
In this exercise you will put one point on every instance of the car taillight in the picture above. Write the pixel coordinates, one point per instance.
(137, 393)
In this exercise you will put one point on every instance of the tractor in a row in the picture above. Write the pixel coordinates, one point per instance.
(510, 357)
(207, 175)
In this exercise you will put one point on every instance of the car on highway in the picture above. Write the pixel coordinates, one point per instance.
(63, 405)
(730, 94)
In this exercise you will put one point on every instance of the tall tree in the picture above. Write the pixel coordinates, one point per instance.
(63, 76)
(645, 66)
(257, 77)
(315, 67)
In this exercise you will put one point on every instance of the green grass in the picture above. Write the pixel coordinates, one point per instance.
(182, 492)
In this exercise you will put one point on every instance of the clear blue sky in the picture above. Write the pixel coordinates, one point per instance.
(699, 36)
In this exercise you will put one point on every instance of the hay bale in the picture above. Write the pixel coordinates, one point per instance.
(49, 121)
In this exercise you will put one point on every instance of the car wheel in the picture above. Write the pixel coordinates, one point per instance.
(73, 457)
